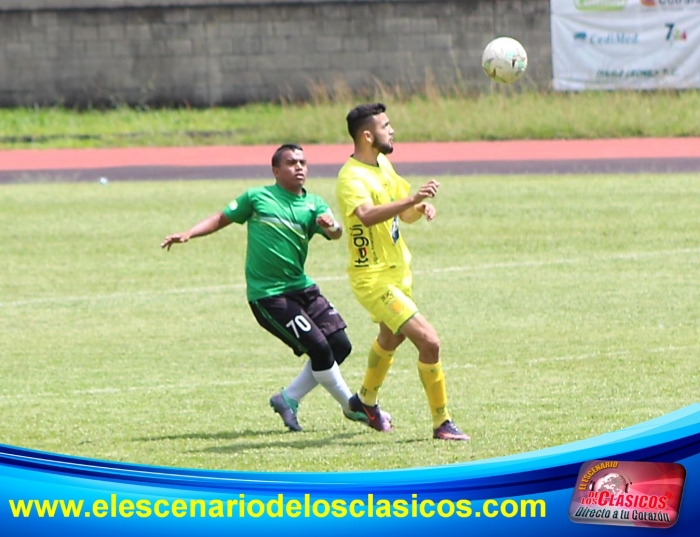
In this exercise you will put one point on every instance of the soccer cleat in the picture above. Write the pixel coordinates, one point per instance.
(374, 417)
(360, 417)
(449, 431)
(287, 409)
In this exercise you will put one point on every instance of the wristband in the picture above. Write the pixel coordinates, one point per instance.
(334, 227)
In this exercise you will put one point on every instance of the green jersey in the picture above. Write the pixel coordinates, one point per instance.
(280, 226)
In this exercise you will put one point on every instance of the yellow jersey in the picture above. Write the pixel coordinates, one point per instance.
(380, 247)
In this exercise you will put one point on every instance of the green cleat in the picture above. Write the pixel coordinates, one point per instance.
(287, 409)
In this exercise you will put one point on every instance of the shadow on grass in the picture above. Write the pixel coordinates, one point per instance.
(224, 435)
(255, 440)
(291, 441)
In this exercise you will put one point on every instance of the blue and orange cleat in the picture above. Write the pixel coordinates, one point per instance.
(374, 417)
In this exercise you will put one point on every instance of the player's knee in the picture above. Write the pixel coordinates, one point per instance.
(340, 346)
(398, 339)
(389, 340)
(430, 344)
(321, 356)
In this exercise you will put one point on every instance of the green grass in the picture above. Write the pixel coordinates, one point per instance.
(502, 114)
(567, 308)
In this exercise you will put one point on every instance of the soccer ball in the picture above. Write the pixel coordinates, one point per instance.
(504, 60)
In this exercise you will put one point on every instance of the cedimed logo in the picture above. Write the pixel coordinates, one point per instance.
(607, 39)
(600, 5)
(360, 242)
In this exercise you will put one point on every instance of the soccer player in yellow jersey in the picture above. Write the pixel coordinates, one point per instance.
(372, 199)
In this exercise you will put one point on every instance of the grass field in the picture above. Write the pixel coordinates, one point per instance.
(500, 115)
(567, 308)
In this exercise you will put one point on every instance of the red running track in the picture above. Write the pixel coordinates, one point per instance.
(523, 156)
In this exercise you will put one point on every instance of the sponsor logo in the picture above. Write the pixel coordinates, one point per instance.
(607, 39)
(390, 301)
(360, 242)
(396, 307)
(600, 5)
(675, 34)
(639, 74)
(395, 230)
(624, 493)
(671, 4)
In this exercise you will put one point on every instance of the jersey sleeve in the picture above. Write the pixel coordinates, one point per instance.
(240, 209)
(321, 208)
(352, 193)
(403, 187)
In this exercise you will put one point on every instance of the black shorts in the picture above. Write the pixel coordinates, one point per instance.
(301, 319)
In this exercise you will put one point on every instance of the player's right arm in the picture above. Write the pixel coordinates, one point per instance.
(370, 214)
(239, 210)
(209, 225)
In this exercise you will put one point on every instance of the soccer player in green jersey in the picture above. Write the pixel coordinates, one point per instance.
(373, 198)
(282, 218)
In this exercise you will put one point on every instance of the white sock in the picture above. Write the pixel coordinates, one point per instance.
(302, 384)
(333, 381)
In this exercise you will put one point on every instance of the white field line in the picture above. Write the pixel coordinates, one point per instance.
(118, 296)
(158, 388)
(466, 268)
(620, 353)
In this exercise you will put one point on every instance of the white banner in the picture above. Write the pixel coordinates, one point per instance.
(625, 44)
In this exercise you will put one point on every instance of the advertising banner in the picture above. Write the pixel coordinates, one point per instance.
(625, 44)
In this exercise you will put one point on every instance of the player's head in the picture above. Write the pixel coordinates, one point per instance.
(277, 155)
(369, 124)
(289, 167)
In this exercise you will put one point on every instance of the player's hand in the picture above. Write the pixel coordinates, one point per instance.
(330, 227)
(177, 238)
(325, 221)
(427, 209)
(428, 190)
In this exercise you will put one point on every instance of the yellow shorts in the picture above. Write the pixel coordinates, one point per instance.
(387, 300)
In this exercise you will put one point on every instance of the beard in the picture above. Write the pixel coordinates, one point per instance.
(385, 148)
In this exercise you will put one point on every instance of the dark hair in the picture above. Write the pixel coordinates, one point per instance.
(277, 156)
(359, 117)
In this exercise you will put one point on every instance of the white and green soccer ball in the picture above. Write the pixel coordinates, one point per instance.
(504, 60)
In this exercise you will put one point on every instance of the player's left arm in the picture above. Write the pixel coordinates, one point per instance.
(414, 213)
(331, 228)
(423, 207)
(326, 221)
